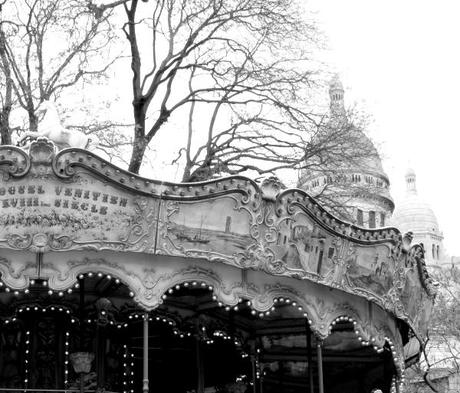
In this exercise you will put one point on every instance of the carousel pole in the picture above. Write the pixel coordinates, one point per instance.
(320, 367)
(309, 360)
(253, 366)
(145, 382)
(82, 316)
(81, 309)
(200, 366)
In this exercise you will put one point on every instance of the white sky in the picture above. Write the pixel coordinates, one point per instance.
(400, 61)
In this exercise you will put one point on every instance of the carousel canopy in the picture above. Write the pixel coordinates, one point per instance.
(65, 214)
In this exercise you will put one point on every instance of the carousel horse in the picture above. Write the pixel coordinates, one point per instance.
(50, 126)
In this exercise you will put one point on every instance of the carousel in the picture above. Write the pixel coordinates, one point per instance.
(111, 282)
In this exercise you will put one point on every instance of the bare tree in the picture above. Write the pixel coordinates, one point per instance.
(243, 62)
(6, 86)
(47, 46)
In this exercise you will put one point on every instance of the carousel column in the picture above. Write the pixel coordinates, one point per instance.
(145, 381)
(82, 317)
(319, 354)
(199, 365)
(309, 360)
(253, 365)
(260, 371)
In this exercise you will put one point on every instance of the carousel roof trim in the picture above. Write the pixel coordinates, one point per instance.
(19, 164)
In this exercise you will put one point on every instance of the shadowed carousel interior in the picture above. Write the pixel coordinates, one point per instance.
(111, 282)
(195, 343)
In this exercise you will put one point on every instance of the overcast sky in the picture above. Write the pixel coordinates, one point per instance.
(400, 61)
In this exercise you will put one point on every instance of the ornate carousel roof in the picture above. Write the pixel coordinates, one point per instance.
(65, 214)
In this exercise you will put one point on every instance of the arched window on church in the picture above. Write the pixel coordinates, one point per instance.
(433, 247)
(437, 252)
(371, 219)
(359, 217)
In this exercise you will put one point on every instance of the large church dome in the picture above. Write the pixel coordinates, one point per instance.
(357, 188)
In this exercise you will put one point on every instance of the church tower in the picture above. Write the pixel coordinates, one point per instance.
(411, 187)
(336, 96)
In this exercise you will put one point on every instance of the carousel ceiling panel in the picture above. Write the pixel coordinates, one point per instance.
(52, 203)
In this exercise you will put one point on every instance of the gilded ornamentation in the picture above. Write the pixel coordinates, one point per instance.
(271, 187)
(41, 155)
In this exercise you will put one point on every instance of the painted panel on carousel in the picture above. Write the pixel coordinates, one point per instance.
(215, 229)
(42, 211)
(302, 246)
(370, 268)
(307, 248)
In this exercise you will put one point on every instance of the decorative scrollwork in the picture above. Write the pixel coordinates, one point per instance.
(19, 242)
(16, 161)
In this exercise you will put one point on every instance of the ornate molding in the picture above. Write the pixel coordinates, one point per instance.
(70, 162)
(16, 161)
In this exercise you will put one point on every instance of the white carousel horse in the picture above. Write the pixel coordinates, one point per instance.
(50, 126)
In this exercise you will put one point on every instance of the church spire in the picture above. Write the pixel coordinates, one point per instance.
(411, 186)
(336, 94)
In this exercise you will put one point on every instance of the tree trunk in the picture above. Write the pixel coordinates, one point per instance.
(186, 174)
(5, 133)
(139, 146)
(140, 141)
(33, 121)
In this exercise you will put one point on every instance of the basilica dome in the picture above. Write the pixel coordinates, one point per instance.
(357, 188)
(413, 214)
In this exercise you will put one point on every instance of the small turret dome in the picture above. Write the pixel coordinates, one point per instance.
(410, 172)
(335, 83)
